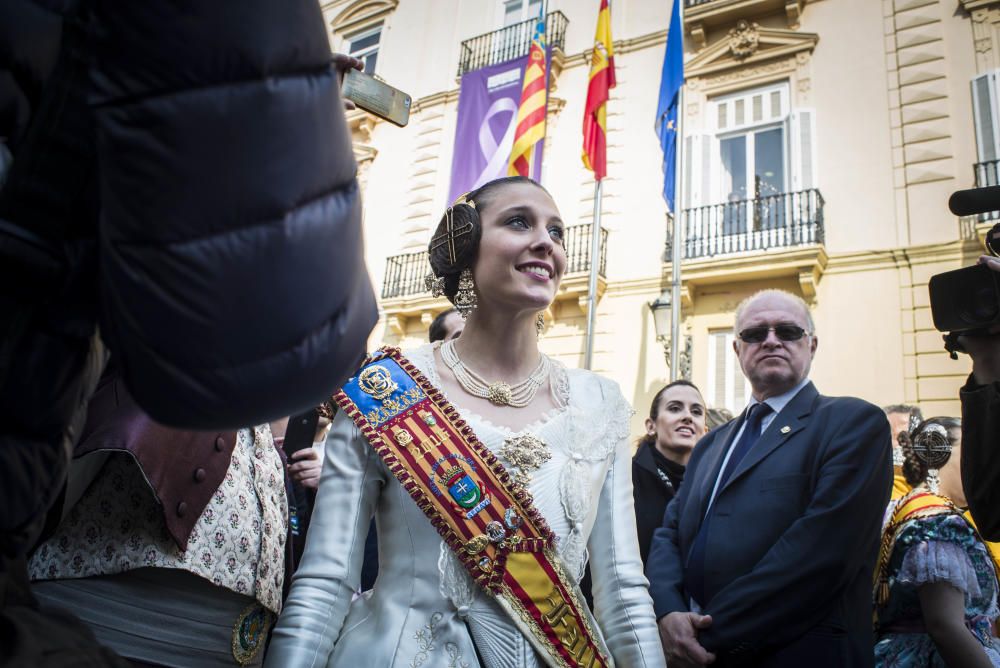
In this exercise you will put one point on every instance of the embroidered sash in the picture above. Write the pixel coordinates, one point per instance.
(486, 519)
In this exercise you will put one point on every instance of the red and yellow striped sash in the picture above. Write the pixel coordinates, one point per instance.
(485, 518)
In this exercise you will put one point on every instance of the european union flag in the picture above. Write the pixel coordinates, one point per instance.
(671, 80)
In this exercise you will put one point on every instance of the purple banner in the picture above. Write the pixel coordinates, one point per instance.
(487, 118)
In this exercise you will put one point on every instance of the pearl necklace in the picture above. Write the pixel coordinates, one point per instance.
(499, 393)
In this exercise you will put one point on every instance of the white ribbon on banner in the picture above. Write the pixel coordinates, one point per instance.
(497, 155)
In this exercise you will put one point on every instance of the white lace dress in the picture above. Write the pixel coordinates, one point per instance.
(424, 609)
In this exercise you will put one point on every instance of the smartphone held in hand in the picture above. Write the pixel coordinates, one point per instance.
(377, 97)
(301, 431)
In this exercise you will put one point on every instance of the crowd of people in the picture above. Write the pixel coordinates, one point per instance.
(469, 502)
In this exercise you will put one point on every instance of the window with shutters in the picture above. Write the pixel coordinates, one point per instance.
(750, 180)
(752, 138)
(726, 387)
(985, 117)
(758, 146)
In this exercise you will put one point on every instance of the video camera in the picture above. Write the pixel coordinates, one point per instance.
(967, 301)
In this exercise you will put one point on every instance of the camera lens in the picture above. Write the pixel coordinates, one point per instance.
(983, 307)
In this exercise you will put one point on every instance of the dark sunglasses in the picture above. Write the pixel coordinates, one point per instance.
(783, 332)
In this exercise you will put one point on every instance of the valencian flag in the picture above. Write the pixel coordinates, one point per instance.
(531, 111)
(602, 80)
(671, 80)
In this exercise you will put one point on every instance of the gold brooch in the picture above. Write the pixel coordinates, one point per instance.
(477, 544)
(526, 453)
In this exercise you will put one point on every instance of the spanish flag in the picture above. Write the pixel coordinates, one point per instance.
(602, 80)
(531, 112)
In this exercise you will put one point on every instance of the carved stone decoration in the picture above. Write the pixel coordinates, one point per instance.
(984, 45)
(684, 359)
(698, 35)
(744, 39)
(793, 10)
(748, 74)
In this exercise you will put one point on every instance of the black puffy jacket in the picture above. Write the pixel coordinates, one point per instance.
(232, 287)
(233, 283)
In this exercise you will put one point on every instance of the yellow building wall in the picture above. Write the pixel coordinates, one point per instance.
(889, 85)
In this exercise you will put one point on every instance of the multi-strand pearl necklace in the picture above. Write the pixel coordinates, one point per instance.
(500, 393)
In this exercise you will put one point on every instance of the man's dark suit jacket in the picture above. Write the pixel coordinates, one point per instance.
(793, 539)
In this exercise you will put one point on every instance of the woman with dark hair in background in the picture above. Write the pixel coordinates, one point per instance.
(675, 424)
(936, 582)
(493, 472)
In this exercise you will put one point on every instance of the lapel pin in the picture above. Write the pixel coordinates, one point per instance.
(785, 429)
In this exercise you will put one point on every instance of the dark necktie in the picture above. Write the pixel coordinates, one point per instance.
(694, 572)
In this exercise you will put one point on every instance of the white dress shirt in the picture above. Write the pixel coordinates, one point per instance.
(777, 404)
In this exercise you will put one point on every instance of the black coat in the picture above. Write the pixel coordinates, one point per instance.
(981, 456)
(651, 494)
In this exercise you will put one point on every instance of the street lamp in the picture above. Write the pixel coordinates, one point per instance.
(661, 309)
(662, 323)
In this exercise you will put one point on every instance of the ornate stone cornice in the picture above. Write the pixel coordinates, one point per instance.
(969, 5)
(622, 46)
(715, 13)
(806, 263)
(748, 45)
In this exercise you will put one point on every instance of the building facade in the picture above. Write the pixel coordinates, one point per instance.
(820, 139)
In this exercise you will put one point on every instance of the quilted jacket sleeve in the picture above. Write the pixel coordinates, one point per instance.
(233, 284)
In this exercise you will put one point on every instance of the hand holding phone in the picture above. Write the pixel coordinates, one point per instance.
(377, 97)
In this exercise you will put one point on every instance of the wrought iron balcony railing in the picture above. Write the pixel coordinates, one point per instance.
(986, 175)
(772, 221)
(404, 274)
(509, 42)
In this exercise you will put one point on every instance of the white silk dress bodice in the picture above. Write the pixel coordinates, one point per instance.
(424, 610)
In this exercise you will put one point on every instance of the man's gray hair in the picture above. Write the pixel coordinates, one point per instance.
(774, 292)
(904, 409)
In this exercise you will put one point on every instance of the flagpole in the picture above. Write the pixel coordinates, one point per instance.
(595, 258)
(548, 68)
(675, 246)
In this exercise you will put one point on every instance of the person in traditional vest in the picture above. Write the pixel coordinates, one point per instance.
(936, 580)
(494, 473)
(173, 547)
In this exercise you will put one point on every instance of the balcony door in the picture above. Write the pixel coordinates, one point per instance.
(752, 173)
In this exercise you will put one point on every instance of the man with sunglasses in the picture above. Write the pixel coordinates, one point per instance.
(766, 555)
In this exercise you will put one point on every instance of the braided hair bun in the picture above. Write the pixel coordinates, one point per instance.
(454, 246)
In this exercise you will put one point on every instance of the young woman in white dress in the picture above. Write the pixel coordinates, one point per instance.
(562, 432)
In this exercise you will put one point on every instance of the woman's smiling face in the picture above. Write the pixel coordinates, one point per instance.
(521, 258)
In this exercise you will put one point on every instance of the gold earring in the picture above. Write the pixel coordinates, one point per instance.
(434, 284)
(465, 299)
(539, 323)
